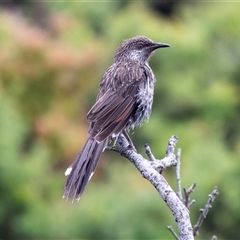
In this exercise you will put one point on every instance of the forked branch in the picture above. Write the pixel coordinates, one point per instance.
(151, 170)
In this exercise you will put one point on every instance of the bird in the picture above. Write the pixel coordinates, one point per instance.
(123, 102)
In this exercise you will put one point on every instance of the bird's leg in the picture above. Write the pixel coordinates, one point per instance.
(112, 149)
(113, 138)
(124, 132)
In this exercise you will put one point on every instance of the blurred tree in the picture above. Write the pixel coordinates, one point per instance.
(166, 8)
(36, 11)
(47, 84)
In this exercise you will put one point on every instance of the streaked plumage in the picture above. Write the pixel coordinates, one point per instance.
(124, 100)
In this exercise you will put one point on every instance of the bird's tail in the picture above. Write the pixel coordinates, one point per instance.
(82, 169)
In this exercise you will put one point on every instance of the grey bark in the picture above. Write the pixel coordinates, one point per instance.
(151, 170)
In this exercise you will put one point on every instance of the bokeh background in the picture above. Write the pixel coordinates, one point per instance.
(52, 56)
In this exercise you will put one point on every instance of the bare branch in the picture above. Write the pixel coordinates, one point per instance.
(171, 145)
(204, 212)
(191, 202)
(150, 170)
(173, 232)
(177, 172)
(149, 152)
(188, 202)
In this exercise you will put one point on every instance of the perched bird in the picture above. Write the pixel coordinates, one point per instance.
(124, 100)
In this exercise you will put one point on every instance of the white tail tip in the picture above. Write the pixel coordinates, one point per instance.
(68, 171)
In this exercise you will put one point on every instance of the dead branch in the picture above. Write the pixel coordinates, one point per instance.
(151, 171)
(205, 210)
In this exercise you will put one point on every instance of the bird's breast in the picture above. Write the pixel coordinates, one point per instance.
(144, 99)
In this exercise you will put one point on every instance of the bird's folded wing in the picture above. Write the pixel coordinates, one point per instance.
(111, 114)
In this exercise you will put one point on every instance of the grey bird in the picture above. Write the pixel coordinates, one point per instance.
(123, 102)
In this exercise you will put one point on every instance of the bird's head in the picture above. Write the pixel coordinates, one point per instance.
(137, 49)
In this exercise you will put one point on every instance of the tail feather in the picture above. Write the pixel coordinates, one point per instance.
(82, 168)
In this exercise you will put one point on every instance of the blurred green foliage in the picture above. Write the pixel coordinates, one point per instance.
(49, 80)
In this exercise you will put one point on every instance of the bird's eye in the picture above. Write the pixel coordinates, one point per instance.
(140, 46)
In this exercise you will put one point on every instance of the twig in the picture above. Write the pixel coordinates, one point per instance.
(187, 192)
(204, 212)
(188, 202)
(171, 145)
(149, 152)
(170, 159)
(148, 170)
(173, 232)
(177, 172)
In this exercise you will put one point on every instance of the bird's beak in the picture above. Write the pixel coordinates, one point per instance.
(161, 45)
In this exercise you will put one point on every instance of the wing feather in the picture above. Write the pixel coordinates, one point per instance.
(116, 104)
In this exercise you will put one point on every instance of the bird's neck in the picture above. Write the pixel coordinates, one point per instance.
(134, 57)
(130, 60)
